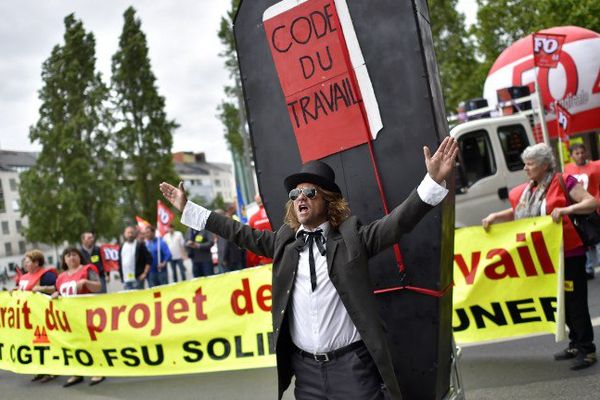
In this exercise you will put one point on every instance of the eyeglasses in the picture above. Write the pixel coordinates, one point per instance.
(310, 193)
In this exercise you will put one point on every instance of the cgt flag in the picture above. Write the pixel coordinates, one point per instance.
(164, 217)
(546, 49)
(563, 122)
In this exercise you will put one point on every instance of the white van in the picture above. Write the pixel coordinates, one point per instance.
(489, 165)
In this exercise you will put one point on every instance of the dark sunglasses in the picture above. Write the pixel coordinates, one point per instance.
(310, 193)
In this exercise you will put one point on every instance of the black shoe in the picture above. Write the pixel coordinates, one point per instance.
(583, 361)
(590, 275)
(47, 378)
(74, 380)
(37, 377)
(96, 380)
(566, 354)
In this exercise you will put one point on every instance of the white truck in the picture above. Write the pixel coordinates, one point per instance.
(489, 164)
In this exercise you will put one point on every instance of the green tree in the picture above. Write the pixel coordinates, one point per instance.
(502, 22)
(144, 134)
(231, 111)
(71, 187)
(460, 73)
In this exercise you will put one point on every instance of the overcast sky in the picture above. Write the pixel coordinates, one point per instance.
(183, 44)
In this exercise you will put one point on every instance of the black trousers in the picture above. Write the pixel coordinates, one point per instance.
(577, 313)
(352, 376)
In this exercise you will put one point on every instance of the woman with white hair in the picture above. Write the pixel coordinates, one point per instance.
(547, 193)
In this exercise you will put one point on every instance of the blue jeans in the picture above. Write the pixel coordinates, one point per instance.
(592, 259)
(200, 268)
(157, 278)
(178, 263)
(102, 283)
(133, 285)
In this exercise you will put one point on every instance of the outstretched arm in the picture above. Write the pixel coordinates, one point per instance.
(197, 217)
(383, 233)
(496, 217)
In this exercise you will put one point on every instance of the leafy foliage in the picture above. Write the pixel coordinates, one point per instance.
(143, 134)
(228, 111)
(502, 22)
(460, 73)
(70, 189)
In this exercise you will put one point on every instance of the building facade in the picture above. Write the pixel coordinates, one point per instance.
(13, 244)
(205, 180)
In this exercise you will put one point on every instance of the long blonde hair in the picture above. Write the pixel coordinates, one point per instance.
(337, 209)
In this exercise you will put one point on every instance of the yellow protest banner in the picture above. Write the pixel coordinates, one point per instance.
(216, 323)
(507, 280)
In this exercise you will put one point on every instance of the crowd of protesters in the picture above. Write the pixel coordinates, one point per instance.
(143, 259)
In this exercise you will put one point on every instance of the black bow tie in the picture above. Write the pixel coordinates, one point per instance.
(310, 238)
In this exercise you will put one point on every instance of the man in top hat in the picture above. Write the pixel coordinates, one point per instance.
(326, 326)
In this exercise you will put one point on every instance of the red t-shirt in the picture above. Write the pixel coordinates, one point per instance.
(66, 283)
(588, 175)
(28, 281)
(260, 221)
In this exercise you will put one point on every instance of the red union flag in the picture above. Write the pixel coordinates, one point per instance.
(328, 94)
(563, 122)
(546, 49)
(141, 222)
(110, 256)
(164, 216)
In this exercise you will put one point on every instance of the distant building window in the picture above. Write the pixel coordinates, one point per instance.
(13, 184)
(22, 247)
(8, 249)
(217, 182)
(19, 226)
(50, 259)
(5, 229)
(2, 205)
(15, 205)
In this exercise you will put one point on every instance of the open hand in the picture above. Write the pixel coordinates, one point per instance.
(175, 195)
(441, 163)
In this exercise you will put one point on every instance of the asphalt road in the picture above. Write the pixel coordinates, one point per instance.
(515, 369)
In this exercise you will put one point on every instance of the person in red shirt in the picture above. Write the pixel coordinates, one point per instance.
(37, 278)
(77, 279)
(543, 194)
(588, 173)
(259, 220)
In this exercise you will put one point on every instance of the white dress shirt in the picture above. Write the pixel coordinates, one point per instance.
(319, 322)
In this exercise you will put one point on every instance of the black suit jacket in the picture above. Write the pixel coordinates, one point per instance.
(142, 257)
(348, 250)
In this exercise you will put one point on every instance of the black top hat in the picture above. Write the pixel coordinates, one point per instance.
(316, 172)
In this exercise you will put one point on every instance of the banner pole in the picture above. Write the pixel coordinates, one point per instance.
(157, 236)
(559, 142)
(540, 109)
